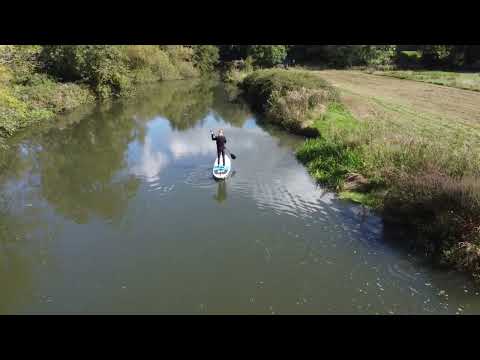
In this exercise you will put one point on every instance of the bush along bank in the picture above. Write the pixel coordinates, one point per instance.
(291, 99)
(37, 82)
(432, 188)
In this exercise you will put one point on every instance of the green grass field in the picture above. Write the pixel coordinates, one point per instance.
(467, 81)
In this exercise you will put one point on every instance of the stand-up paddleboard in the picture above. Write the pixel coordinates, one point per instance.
(220, 171)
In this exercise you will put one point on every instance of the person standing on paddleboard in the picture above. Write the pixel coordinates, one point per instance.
(221, 141)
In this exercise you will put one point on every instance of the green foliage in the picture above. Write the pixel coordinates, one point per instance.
(467, 80)
(187, 70)
(103, 67)
(249, 62)
(341, 56)
(370, 199)
(408, 59)
(443, 209)
(436, 54)
(267, 55)
(182, 59)
(232, 52)
(152, 60)
(290, 98)
(336, 118)
(206, 57)
(149, 63)
(113, 70)
(260, 85)
(5, 75)
(329, 161)
(432, 187)
(37, 82)
(21, 60)
(44, 93)
(15, 113)
(378, 56)
(335, 153)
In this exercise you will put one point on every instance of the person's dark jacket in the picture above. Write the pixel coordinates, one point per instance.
(221, 141)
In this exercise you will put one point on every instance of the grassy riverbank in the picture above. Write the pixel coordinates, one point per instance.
(414, 176)
(37, 82)
(292, 99)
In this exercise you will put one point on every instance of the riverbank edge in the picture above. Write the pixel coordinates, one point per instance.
(40, 82)
(463, 255)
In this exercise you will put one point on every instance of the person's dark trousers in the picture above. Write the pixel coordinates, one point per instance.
(221, 151)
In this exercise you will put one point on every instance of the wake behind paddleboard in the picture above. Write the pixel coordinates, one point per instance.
(220, 171)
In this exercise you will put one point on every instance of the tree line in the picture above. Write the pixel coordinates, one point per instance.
(342, 56)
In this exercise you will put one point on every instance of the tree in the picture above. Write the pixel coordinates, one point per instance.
(205, 57)
(232, 52)
(267, 55)
(437, 55)
(104, 67)
(377, 55)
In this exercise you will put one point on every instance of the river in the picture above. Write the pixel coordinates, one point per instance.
(112, 209)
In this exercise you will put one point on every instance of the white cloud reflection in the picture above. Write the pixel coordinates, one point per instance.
(151, 163)
(195, 142)
(267, 172)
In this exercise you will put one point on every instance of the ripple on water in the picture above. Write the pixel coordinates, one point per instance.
(277, 197)
(161, 189)
(400, 271)
(154, 184)
(200, 177)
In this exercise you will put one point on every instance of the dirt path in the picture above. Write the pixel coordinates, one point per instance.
(431, 110)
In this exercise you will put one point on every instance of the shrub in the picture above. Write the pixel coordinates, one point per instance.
(22, 60)
(151, 57)
(378, 56)
(5, 75)
(178, 52)
(444, 209)
(155, 63)
(205, 58)
(232, 52)
(296, 106)
(261, 84)
(104, 67)
(465, 256)
(249, 64)
(43, 92)
(15, 113)
(187, 70)
(267, 55)
(436, 55)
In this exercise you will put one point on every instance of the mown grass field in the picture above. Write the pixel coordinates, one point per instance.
(413, 109)
(461, 80)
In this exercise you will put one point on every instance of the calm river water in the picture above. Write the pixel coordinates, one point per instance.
(113, 209)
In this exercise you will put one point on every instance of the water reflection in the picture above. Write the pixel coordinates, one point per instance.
(146, 164)
(151, 162)
(23, 248)
(221, 195)
(80, 166)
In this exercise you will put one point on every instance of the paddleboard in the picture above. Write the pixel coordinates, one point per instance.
(220, 171)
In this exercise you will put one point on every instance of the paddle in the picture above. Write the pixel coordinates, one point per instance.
(232, 155)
